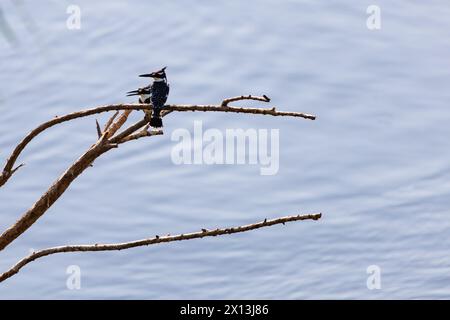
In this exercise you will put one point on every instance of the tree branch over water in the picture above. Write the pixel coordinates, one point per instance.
(108, 138)
(154, 240)
(8, 170)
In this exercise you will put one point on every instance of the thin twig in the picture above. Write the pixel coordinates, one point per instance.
(138, 125)
(262, 111)
(110, 121)
(154, 240)
(143, 133)
(264, 98)
(131, 129)
(99, 131)
(17, 168)
(119, 123)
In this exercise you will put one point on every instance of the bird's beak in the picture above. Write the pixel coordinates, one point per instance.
(147, 75)
(132, 93)
(153, 74)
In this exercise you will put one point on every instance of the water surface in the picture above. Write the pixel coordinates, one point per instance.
(375, 162)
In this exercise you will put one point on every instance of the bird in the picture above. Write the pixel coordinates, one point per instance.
(155, 93)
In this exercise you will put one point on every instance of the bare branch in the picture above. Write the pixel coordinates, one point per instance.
(264, 98)
(141, 134)
(215, 108)
(154, 240)
(131, 129)
(17, 168)
(110, 121)
(119, 123)
(7, 170)
(53, 193)
(103, 145)
(138, 125)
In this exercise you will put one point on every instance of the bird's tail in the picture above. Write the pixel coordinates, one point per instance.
(155, 120)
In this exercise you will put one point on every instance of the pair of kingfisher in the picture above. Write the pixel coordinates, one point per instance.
(155, 93)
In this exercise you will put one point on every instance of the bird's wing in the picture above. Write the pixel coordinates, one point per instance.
(166, 93)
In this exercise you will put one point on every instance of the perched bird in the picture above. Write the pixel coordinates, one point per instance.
(156, 93)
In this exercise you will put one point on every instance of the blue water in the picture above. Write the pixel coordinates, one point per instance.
(375, 162)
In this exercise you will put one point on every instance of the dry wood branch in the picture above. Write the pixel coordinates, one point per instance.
(138, 125)
(262, 111)
(128, 131)
(52, 194)
(17, 168)
(264, 98)
(119, 123)
(99, 131)
(59, 187)
(143, 133)
(165, 112)
(154, 240)
(8, 168)
(110, 121)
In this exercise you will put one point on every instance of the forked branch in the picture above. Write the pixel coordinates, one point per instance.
(264, 98)
(8, 170)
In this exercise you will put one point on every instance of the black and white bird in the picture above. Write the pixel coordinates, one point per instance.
(155, 93)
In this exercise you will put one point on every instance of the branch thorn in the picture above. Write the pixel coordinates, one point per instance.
(16, 168)
(99, 131)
